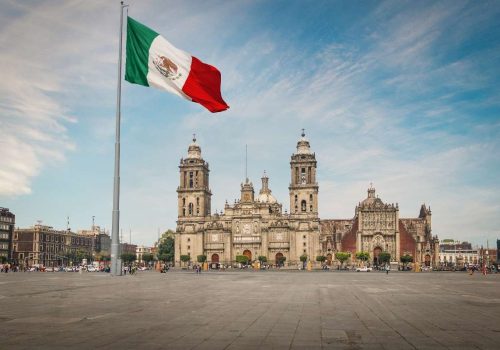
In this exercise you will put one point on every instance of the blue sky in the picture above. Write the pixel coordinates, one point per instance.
(402, 94)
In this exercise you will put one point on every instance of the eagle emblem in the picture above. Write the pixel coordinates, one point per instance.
(166, 67)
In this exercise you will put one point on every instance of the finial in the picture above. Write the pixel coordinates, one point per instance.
(371, 184)
(194, 137)
(303, 132)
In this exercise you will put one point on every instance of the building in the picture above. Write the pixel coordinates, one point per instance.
(456, 253)
(127, 248)
(255, 225)
(140, 251)
(43, 245)
(101, 242)
(7, 223)
(376, 227)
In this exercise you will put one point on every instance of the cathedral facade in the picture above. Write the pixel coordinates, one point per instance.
(255, 225)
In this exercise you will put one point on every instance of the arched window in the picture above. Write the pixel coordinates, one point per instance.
(303, 205)
(190, 208)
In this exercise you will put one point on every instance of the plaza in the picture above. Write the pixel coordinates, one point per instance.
(250, 310)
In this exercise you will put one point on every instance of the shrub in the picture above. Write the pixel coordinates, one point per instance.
(185, 258)
(320, 258)
(242, 259)
(201, 258)
(303, 258)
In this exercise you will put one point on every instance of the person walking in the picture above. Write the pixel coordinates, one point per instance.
(387, 269)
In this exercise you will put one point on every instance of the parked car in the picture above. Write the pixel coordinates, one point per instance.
(363, 269)
(91, 268)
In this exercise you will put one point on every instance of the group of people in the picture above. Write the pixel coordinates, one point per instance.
(130, 269)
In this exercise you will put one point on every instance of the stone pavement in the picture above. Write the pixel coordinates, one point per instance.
(250, 310)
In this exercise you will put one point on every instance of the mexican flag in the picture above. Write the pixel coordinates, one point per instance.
(153, 61)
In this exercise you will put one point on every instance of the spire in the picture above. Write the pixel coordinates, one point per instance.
(265, 184)
(371, 191)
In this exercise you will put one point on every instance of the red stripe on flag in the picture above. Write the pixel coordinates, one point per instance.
(203, 86)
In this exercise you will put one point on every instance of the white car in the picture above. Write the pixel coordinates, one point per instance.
(363, 269)
(91, 268)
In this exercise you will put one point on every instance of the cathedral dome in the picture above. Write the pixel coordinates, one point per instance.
(266, 198)
(194, 150)
(303, 146)
(371, 199)
(265, 195)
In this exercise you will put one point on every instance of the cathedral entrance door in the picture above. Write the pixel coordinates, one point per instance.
(248, 254)
(376, 253)
(427, 260)
(215, 258)
(279, 259)
(329, 259)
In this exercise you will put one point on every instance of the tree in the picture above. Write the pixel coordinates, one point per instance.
(363, 256)
(128, 258)
(280, 260)
(3, 259)
(242, 259)
(303, 258)
(321, 258)
(405, 259)
(201, 258)
(342, 257)
(185, 258)
(147, 257)
(262, 259)
(166, 247)
(384, 257)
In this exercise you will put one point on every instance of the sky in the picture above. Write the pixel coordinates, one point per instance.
(401, 94)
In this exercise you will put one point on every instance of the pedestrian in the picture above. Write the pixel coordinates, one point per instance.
(387, 268)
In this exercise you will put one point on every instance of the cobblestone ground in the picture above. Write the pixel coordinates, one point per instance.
(250, 310)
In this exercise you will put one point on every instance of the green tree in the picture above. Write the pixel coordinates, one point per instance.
(262, 259)
(147, 257)
(342, 257)
(303, 258)
(280, 260)
(363, 256)
(406, 259)
(3, 259)
(166, 247)
(128, 258)
(201, 258)
(185, 258)
(384, 257)
(321, 258)
(242, 259)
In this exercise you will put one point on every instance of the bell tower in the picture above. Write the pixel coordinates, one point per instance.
(193, 193)
(303, 186)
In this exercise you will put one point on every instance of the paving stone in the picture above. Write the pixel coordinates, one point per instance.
(243, 310)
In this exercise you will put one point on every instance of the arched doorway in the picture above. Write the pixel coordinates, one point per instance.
(427, 260)
(248, 254)
(215, 258)
(329, 259)
(279, 259)
(376, 253)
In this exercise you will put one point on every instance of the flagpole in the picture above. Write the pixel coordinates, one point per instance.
(116, 269)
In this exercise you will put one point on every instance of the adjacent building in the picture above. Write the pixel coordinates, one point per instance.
(7, 223)
(255, 224)
(43, 245)
(457, 253)
(377, 227)
(140, 251)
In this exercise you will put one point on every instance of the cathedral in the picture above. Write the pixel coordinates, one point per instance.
(255, 225)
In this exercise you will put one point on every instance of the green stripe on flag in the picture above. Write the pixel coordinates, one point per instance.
(139, 39)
